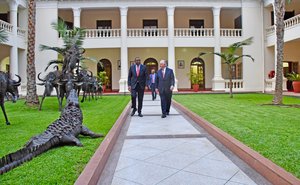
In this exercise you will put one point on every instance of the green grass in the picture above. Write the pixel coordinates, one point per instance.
(60, 165)
(272, 131)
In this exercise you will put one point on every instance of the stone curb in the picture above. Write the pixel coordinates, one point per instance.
(272, 172)
(92, 172)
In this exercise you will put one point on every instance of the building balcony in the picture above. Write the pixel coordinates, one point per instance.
(291, 31)
(158, 37)
(21, 39)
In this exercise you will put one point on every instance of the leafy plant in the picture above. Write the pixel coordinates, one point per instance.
(194, 77)
(3, 36)
(231, 58)
(102, 76)
(293, 76)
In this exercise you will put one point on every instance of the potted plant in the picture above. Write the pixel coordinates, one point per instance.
(295, 78)
(103, 79)
(195, 80)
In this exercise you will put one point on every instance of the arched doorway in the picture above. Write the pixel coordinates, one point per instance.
(198, 67)
(150, 64)
(107, 68)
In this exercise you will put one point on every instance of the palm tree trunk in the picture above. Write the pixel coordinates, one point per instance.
(31, 97)
(279, 15)
(230, 80)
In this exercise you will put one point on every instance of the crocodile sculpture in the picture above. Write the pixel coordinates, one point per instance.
(62, 131)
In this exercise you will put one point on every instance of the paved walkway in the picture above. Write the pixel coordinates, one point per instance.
(171, 151)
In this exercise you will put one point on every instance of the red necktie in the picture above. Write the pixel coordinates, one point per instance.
(138, 70)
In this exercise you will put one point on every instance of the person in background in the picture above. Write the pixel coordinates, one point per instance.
(164, 86)
(137, 77)
(151, 83)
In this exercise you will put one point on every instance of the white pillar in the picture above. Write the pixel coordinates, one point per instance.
(76, 17)
(13, 5)
(124, 51)
(171, 48)
(217, 81)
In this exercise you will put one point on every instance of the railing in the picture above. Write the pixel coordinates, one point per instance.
(100, 33)
(6, 26)
(95, 33)
(270, 30)
(156, 32)
(287, 24)
(292, 21)
(236, 84)
(21, 32)
(231, 32)
(194, 32)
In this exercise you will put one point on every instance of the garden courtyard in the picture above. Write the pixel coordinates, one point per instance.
(273, 131)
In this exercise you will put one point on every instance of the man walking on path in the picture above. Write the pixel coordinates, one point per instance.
(151, 83)
(164, 86)
(137, 77)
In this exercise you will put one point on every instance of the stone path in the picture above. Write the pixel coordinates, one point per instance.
(170, 151)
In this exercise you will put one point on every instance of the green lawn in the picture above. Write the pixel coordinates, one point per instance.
(272, 131)
(61, 165)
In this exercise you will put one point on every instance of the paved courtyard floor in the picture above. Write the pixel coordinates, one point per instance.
(172, 151)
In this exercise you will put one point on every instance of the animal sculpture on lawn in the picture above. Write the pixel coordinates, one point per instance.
(63, 131)
(8, 87)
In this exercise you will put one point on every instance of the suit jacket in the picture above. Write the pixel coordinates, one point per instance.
(165, 83)
(150, 78)
(133, 79)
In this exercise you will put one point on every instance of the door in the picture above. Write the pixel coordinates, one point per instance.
(198, 67)
(150, 64)
(107, 68)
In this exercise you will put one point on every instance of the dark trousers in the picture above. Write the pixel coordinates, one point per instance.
(138, 92)
(165, 100)
(152, 86)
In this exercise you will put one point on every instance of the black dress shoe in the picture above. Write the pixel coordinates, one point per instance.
(133, 112)
(163, 116)
(140, 115)
(168, 113)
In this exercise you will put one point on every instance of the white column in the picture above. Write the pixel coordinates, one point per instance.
(76, 17)
(217, 81)
(124, 51)
(13, 5)
(171, 47)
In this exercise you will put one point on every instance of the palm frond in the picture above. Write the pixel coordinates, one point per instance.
(89, 59)
(3, 36)
(242, 43)
(241, 56)
(57, 49)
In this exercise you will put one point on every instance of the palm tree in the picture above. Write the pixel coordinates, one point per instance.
(279, 6)
(230, 57)
(73, 39)
(3, 36)
(31, 97)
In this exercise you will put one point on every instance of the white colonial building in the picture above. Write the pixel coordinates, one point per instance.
(176, 30)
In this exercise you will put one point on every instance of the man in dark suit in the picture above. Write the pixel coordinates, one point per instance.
(137, 77)
(151, 83)
(164, 86)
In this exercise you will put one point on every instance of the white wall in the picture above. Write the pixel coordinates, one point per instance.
(252, 27)
(45, 35)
